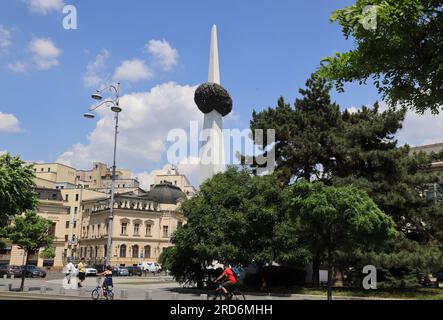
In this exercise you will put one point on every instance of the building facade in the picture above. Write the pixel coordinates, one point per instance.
(51, 207)
(142, 225)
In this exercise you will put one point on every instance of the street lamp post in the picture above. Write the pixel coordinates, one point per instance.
(115, 107)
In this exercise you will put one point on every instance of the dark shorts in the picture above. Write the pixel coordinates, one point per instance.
(82, 276)
(228, 284)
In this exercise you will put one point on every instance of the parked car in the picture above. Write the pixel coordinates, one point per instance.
(90, 271)
(120, 272)
(100, 268)
(135, 271)
(33, 272)
(153, 267)
(124, 272)
(9, 270)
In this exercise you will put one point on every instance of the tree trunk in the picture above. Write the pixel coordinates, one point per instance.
(316, 271)
(262, 278)
(338, 282)
(22, 285)
(330, 275)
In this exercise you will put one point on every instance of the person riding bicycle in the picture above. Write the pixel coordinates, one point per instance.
(107, 282)
(229, 282)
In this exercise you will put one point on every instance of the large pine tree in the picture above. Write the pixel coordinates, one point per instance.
(317, 141)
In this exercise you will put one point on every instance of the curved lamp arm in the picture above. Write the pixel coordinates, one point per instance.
(103, 103)
(116, 88)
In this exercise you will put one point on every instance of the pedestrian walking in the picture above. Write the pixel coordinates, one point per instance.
(81, 272)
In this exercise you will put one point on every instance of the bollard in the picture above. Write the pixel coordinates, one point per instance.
(123, 294)
(175, 296)
(10, 287)
(148, 295)
(62, 290)
(42, 289)
(203, 297)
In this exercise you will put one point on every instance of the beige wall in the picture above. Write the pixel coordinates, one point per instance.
(55, 172)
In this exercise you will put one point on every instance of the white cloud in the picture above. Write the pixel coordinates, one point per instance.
(45, 6)
(145, 121)
(2, 152)
(5, 39)
(133, 71)
(9, 123)
(45, 53)
(18, 67)
(166, 56)
(93, 77)
(417, 129)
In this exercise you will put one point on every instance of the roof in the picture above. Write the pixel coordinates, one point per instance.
(165, 193)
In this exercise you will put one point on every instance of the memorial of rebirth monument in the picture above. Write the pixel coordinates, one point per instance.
(215, 102)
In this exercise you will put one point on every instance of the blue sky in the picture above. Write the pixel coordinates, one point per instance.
(267, 49)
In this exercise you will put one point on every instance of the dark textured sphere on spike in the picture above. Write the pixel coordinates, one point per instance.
(210, 96)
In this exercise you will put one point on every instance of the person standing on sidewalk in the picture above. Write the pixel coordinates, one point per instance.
(81, 272)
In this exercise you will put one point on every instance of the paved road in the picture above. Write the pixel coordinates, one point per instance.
(132, 288)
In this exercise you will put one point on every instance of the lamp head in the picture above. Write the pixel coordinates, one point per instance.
(89, 115)
(116, 109)
(96, 96)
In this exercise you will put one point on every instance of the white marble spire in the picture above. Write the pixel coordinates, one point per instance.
(214, 67)
(212, 155)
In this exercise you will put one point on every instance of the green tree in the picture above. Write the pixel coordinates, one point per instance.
(333, 220)
(16, 188)
(29, 232)
(402, 54)
(233, 219)
(306, 134)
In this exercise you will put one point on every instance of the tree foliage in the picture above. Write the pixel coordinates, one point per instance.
(233, 219)
(16, 188)
(332, 219)
(29, 232)
(402, 54)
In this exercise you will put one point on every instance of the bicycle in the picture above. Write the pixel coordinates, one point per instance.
(107, 292)
(233, 294)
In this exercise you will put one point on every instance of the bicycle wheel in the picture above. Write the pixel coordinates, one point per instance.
(110, 295)
(216, 296)
(95, 294)
(238, 296)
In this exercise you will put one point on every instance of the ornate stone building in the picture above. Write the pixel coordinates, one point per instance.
(142, 226)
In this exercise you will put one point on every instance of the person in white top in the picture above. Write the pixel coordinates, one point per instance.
(70, 270)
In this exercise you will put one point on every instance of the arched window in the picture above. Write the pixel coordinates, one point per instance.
(123, 251)
(147, 252)
(135, 251)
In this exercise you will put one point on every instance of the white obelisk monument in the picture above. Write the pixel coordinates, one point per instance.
(212, 154)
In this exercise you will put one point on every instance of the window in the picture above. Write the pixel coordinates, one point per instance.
(51, 231)
(179, 224)
(75, 224)
(124, 228)
(35, 170)
(67, 224)
(123, 251)
(135, 251)
(43, 170)
(148, 230)
(98, 230)
(66, 238)
(49, 169)
(93, 231)
(75, 210)
(136, 229)
(165, 231)
(66, 197)
(147, 252)
(76, 197)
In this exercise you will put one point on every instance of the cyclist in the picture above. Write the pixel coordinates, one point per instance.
(229, 282)
(107, 282)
